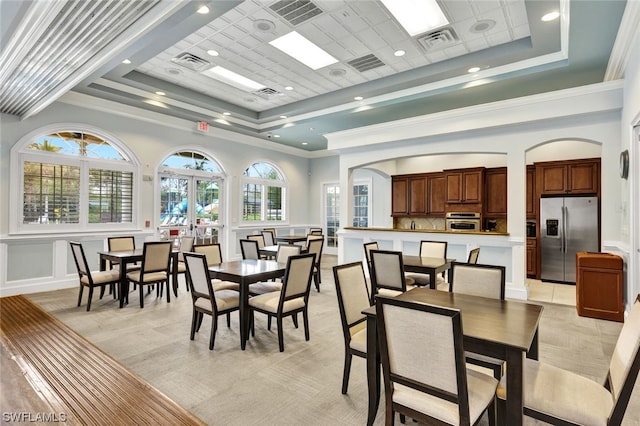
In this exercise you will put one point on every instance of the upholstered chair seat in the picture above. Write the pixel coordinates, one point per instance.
(225, 300)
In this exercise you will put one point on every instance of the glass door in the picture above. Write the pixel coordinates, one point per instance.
(331, 209)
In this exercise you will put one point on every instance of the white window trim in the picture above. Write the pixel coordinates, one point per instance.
(284, 183)
(369, 183)
(18, 156)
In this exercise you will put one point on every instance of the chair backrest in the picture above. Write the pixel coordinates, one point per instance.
(121, 243)
(250, 249)
(315, 246)
(367, 251)
(387, 270)
(428, 355)
(211, 251)
(315, 231)
(478, 280)
(473, 256)
(297, 278)
(312, 237)
(186, 244)
(272, 230)
(156, 256)
(258, 238)
(625, 364)
(198, 276)
(285, 251)
(433, 249)
(269, 238)
(81, 260)
(353, 296)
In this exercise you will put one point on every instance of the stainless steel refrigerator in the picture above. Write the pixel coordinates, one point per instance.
(568, 225)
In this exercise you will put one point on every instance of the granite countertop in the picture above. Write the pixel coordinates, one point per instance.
(428, 231)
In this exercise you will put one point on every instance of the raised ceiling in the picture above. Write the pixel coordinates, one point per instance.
(51, 48)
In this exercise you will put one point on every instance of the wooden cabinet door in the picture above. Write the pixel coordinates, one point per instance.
(583, 178)
(532, 257)
(472, 187)
(437, 189)
(531, 192)
(552, 178)
(454, 187)
(418, 195)
(399, 196)
(495, 182)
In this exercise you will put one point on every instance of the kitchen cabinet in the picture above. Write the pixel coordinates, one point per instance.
(568, 177)
(418, 195)
(436, 193)
(495, 198)
(531, 192)
(465, 185)
(399, 196)
(532, 258)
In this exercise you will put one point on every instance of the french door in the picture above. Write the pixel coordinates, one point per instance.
(331, 216)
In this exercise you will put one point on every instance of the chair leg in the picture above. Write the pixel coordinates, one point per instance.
(294, 317)
(90, 297)
(102, 288)
(214, 327)
(280, 334)
(305, 319)
(491, 413)
(80, 295)
(168, 292)
(229, 319)
(200, 318)
(346, 371)
(194, 320)
(268, 322)
(316, 280)
(141, 295)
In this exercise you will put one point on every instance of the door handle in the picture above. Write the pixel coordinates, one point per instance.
(564, 229)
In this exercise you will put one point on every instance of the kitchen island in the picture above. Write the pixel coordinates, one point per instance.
(496, 248)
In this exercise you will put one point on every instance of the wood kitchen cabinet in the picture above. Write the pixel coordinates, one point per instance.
(399, 196)
(495, 198)
(568, 177)
(531, 192)
(436, 193)
(418, 195)
(464, 185)
(532, 258)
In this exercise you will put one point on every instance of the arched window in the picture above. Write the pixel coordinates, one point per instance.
(264, 190)
(75, 179)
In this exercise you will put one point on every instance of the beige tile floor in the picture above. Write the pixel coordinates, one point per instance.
(562, 294)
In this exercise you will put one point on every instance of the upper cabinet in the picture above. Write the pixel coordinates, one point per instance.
(418, 195)
(495, 198)
(531, 192)
(399, 195)
(437, 190)
(568, 177)
(464, 185)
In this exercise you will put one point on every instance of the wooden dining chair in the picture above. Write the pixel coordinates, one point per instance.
(387, 274)
(269, 237)
(473, 256)
(560, 397)
(156, 260)
(124, 243)
(186, 245)
(213, 254)
(353, 298)
(91, 279)
(285, 251)
(424, 369)
(315, 231)
(315, 246)
(260, 240)
(250, 249)
(205, 299)
(429, 249)
(292, 299)
(373, 245)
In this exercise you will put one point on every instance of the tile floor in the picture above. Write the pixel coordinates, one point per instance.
(562, 294)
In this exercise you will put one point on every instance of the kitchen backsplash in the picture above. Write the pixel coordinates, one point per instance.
(436, 223)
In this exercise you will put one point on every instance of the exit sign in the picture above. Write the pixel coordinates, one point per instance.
(203, 126)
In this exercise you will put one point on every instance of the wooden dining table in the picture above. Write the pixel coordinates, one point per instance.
(245, 272)
(125, 257)
(291, 239)
(431, 266)
(502, 329)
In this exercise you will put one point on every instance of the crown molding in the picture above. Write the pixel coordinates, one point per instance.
(628, 37)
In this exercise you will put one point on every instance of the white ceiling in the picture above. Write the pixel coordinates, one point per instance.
(50, 48)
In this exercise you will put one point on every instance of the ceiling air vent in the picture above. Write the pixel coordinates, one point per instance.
(190, 61)
(439, 39)
(366, 63)
(296, 11)
(266, 93)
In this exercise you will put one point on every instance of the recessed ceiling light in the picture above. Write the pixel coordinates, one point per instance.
(301, 49)
(126, 61)
(305, 143)
(276, 136)
(399, 52)
(550, 16)
(212, 52)
(311, 128)
(226, 113)
(417, 17)
(473, 69)
(288, 88)
(155, 103)
(236, 80)
(358, 98)
(203, 10)
(160, 93)
(283, 116)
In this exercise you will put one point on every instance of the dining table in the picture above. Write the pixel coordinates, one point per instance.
(125, 257)
(503, 329)
(291, 239)
(269, 251)
(245, 272)
(431, 266)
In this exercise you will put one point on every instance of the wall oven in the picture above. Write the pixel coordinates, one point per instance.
(462, 221)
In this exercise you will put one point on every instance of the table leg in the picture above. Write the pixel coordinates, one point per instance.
(432, 279)
(373, 369)
(123, 291)
(515, 385)
(244, 314)
(532, 353)
(174, 274)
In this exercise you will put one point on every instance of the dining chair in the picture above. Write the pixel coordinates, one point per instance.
(250, 249)
(213, 254)
(125, 243)
(205, 299)
(387, 274)
(284, 252)
(373, 245)
(315, 246)
(260, 240)
(315, 231)
(156, 260)
(429, 249)
(89, 278)
(572, 399)
(292, 299)
(353, 298)
(186, 245)
(473, 256)
(273, 233)
(483, 281)
(424, 370)
(311, 237)
(269, 237)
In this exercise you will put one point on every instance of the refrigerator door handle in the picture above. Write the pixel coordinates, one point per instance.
(564, 229)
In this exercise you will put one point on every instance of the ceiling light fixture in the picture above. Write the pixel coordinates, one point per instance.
(155, 103)
(160, 93)
(473, 69)
(276, 136)
(551, 16)
(212, 52)
(358, 98)
(305, 143)
(420, 17)
(236, 80)
(203, 10)
(226, 113)
(399, 53)
(288, 88)
(283, 116)
(126, 61)
(302, 50)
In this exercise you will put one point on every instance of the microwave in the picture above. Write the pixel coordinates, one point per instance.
(462, 221)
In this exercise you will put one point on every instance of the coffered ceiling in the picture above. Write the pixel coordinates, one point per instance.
(50, 48)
